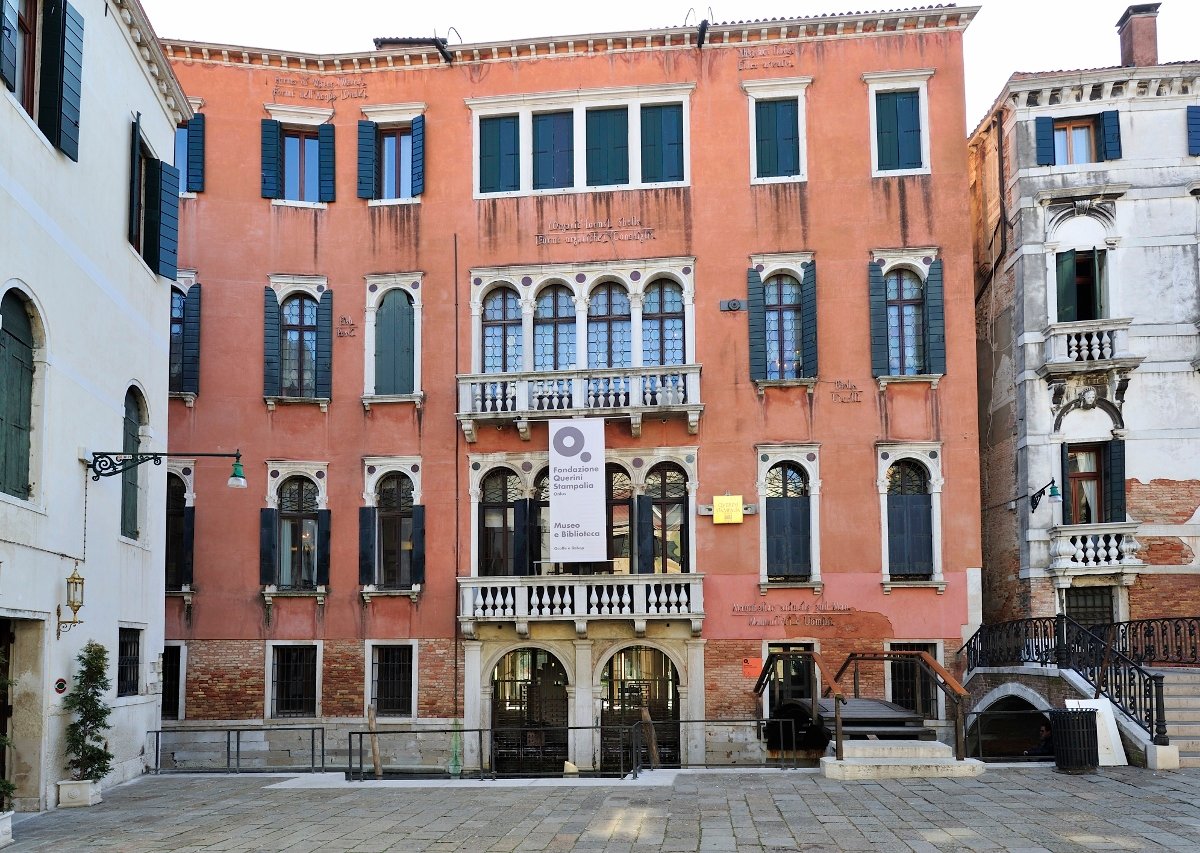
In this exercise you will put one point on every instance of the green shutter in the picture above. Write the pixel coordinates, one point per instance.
(1113, 473)
(16, 395)
(134, 225)
(271, 343)
(191, 340)
(272, 159)
(324, 385)
(1043, 132)
(766, 132)
(394, 344)
(418, 545)
(8, 44)
(789, 544)
(1108, 134)
(368, 158)
(887, 134)
(908, 129)
(1193, 130)
(662, 143)
(61, 75)
(607, 147)
(756, 312)
(499, 154)
(195, 153)
(326, 159)
(162, 208)
(130, 443)
(935, 320)
(418, 155)
(808, 320)
(1068, 308)
(268, 546)
(553, 150)
(877, 299)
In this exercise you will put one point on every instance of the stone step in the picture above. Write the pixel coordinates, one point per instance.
(1182, 702)
(888, 749)
(1180, 677)
(1182, 730)
(899, 768)
(1186, 744)
(1189, 760)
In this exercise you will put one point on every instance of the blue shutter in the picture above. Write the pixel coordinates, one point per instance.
(524, 520)
(787, 116)
(418, 544)
(1193, 130)
(808, 320)
(418, 155)
(652, 157)
(166, 236)
(879, 329)
(789, 545)
(61, 77)
(553, 150)
(195, 154)
(271, 378)
(608, 147)
(644, 517)
(1068, 307)
(191, 340)
(908, 129)
(910, 536)
(366, 545)
(325, 163)
(268, 546)
(272, 159)
(134, 225)
(887, 135)
(1113, 473)
(8, 44)
(325, 345)
(662, 143)
(1109, 128)
(368, 159)
(395, 348)
(766, 139)
(324, 527)
(499, 154)
(935, 320)
(188, 546)
(756, 313)
(1064, 466)
(1043, 132)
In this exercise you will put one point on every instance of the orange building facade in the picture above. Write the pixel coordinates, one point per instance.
(745, 247)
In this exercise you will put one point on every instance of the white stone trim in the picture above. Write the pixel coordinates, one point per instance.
(286, 285)
(912, 259)
(899, 81)
(768, 456)
(297, 116)
(928, 454)
(773, 90)
(317, 472)
(269, 670)
(176, 465)
(411, 283)
(385, 465)
(369, 681)
(184, 279)
(782, 263)
(394, 114)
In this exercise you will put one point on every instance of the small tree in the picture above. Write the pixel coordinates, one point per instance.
(87, 749)
(7, 788)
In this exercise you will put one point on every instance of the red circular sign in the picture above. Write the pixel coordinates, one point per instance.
(60, 686)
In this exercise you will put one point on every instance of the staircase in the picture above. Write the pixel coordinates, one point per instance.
(898, 759)
(876, 719)
(1181, 698)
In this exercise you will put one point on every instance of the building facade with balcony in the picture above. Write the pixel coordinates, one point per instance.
(739, 244)
(1084, 205)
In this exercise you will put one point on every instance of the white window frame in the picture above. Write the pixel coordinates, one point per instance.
(899, 81)
(291, 116)
(269, 682)
(394, 117)
(369, 681)
(939, 655)
(285, 468)
(768, 456)
(578, 102)
(183, 650)
(929, 454)
(145, 436)
(778, 90)
(378, 286)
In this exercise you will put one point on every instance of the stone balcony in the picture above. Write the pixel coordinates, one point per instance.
(1102, 549)
(1090, 346)
(581, 599)
(632, 392)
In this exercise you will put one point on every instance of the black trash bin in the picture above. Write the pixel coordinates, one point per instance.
(1075, 747)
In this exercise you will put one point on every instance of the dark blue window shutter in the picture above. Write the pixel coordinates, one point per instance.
(61, 77)
(191, 340)
(877, 298)
(395, 348)
(908, 129)
(1113, 472)
(418, 544)
(887, 134)
(272, 159)
(644, 513)
(788, 537)
(195, 154)
(662, 143)
(327, 190)
(652, 145)
(366, 545)
(1109, 128)
(808, 317)
(935, 320)
(135, 180)
(910, 535)
(368, 159)
(166, 208)
(553, 150)
(271, 379)
(325, 345)
(1193, 130)
(324, 526)
(8, 44)
(418, 155)
(756, 312)
(524, 522)
(188, 546)
(1068, 511)
(1043, 132)
(268, 545)
(607, 147)
(766, 138)
(152, 225)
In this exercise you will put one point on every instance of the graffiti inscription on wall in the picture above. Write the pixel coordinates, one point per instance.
(581, 232)
(773, 56)
(845, 391)
(326, 90)
(764, 614)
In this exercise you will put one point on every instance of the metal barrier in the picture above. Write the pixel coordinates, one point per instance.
(977, 740)
(233, 749)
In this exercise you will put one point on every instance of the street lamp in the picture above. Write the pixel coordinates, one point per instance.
(74, 601)
(111, 464)
(1053, 495)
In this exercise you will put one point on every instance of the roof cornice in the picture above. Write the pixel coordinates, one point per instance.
(139, 34)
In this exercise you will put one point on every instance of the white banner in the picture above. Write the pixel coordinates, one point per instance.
(578, 528)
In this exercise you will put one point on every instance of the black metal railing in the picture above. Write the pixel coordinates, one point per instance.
(1174, 640)
(1064, 643)
(204, 755)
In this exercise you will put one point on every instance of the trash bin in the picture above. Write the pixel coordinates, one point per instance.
(1075, 747)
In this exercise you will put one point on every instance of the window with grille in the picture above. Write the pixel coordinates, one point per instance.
(298, 339)
(392, 680)
(912, 686)
(294, 681)
(554, 330)
(502, 332)
(129, 661)
(501, 492)
(1090, 605)
(395, 514)
(298, 534)
(662, 324)
(905, 322)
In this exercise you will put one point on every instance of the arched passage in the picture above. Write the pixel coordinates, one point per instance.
(1006, 729)
(529, 712)
(637, 678)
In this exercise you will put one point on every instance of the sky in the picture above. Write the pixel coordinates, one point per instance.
(1006, 36)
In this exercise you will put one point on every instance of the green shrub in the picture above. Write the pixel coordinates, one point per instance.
(87, 748)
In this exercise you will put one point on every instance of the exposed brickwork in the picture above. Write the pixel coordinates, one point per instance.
(728, 694)
(1164, 595)
(1053, 689)
(1162, 501)
(1165, 551)
(342, 679)
(225, 679)
(436, 679)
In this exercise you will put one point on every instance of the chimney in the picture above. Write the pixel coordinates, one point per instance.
(1138, 30)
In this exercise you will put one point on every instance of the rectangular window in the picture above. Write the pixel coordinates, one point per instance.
(301, 159)
(395, 163)
(553, 150)
(294, 681)
(41, 63)
(153, 227)
(129, 661)
(1090, 605)
(499, 154)
(1077, 139)
(777, 138)
(898, 130)
(1081, 285)
(1085, 484)
(172, 681)
(662, 143)
(1073, 141)
(912, 686)
(607, 146)
(392, 680)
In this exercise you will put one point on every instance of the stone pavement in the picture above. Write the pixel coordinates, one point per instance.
(1026, 809)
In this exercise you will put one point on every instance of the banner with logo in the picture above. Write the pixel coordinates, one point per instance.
(578, 529)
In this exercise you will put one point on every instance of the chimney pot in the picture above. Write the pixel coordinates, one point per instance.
(1138, 30)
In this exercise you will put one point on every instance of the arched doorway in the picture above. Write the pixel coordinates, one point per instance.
(529, 713)
(635, 678)
(1006, 730)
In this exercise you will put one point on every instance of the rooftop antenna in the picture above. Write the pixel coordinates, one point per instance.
(689, 14)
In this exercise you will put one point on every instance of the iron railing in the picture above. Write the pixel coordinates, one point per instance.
(233, 750)
(1066, 644)
(1173, 640)
(819, 673)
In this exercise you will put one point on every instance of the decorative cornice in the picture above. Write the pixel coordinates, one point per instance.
(145, 44)
(1089, 89)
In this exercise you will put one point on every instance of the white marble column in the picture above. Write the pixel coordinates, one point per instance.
(582, 745)
(693, 707)
(472, 702)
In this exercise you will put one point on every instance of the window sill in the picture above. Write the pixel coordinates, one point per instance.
(133, 250)
(932, 378)
(607, 188)
(900, 173)
(133, 543)
(369, 400)
(28, 119)
(272, 402)
(808, 382)
(186, 194)
(371, 591)
(816, 586)
(888, 586)
(22, 503)
(392, 202)
(310, 205)
(272, 592)
(780, 179)
(188, 397)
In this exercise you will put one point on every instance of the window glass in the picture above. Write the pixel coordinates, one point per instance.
(500, 491)
(502, 332)
(175, 375)
(298, 341)
(554, 330)
(1083, 474)
(130, 443)
(394, 502)
(787, 480)
(662, 324)
(176, 506)
(181, 156)
(609, 327)
(666, 486)
(906, 322)
(300, 160)
(391, 680)
(396, 164)
(297, 534)
(782, 298)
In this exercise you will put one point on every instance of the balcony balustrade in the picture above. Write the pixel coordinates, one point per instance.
(1099, 548)
(581, 599)
(1087, 347)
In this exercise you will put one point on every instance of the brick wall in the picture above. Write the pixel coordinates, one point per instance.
(1165, 551)
(1162, 501)
(1164, 595)
(225, 679)
(1053, 689)
(435, 679)
(342, 680)
(729, 695)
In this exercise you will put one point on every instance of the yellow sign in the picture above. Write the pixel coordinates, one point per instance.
(727, 509)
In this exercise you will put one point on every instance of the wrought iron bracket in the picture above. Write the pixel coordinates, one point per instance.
(111, 464)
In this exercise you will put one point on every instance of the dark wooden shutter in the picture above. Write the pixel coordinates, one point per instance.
(757, 324)
(524, 518)
(1043, 132)
(1109, 135)
(787, 116)
(326, 188)
(1193, 130)
(190, 380)
(271, 378)
(16, 395)
(499, 154)
(908, 129)
(272, 159)
(61, 77)
(662, 143)
(808, 320)
(268, 546)
(553, 150)
(1068, 511)
(877, 299)
(8, 44)
(134, 225)
(368, 159)
(324, 527)
(325, 345)
(418, 155)
(887, 133)
(1068, 308)
(652, 145)
(607, 147)
(165, 207)
(152, 175)
(395, 347)
(187, 546)
(418, 544)
(366, 545)
(766, 138)
(910, 536)
(789, 544)
(1113, 473)
(195, 154)
(644, 513)
(935, 320)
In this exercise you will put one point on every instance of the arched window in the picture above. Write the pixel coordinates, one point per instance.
(910, 520)
(905, 322)
(782, 303)
(502, 332)
(178, 546)
(667, 493)
(16, 394)
(298, 340)
(789, 546)
(298, 534)
(131, 439)
(554, 330)
(395, 344)
(609, 328)
(394, 503)
(500, 495)
(662, 324)
(176, 343)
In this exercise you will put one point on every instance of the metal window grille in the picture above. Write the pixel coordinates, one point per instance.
(391, 679)
(912, 687)
(129, 661)
(294, 682)
(1090, 605)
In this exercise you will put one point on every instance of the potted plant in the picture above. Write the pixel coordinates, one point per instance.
(7, 788)
(88, 758)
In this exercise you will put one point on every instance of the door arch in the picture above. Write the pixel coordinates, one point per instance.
(529, 712)
(633, 679)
